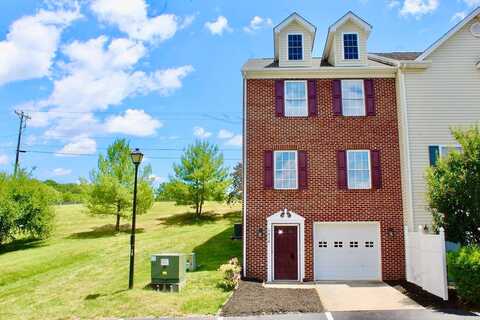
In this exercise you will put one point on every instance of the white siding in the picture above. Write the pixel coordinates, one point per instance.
(295, 27)
(349, 26)
(444, 95)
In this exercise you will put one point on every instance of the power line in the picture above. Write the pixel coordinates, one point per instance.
(148, 149)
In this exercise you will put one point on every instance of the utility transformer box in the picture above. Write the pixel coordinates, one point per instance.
(168, 271)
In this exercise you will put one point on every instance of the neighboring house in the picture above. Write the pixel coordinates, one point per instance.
(323, 196)
(437, 89)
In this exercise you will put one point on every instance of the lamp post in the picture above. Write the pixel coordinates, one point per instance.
(137, 157)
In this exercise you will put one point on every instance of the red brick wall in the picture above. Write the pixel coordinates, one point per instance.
(321, 136)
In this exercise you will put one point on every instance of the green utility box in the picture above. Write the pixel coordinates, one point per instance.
(168, 268)
(191, 262)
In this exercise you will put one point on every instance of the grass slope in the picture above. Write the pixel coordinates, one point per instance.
(82, 270)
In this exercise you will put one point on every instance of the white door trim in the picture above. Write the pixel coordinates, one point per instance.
(286, 217)
(379, 241)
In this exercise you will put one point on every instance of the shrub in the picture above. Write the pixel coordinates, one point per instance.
(231, 274)
(464, 268)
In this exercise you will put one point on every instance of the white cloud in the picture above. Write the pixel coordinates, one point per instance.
(258, 22)
(458, 16)
(61, 172)
(472, 3)
(236, 141)
(166, 81)
(157, 179)
(80, 145)
(225, 134)
(418, 8)
(201, 133)
(3, 159)
(133, 122)
(218, 26)
(131, 17)
(31, 44)
(393, 3)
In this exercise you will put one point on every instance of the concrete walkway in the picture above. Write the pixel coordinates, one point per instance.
(363, 296)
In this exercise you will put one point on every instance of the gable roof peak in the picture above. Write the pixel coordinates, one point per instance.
(350, 15)
(297, 17)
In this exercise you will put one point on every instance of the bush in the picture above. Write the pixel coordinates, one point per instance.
(231, 274)
(464, 268)
(25, 208)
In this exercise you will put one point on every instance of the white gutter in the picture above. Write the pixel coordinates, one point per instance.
(244, 180)
(404, 106)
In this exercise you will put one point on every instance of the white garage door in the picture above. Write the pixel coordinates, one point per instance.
(347, 251)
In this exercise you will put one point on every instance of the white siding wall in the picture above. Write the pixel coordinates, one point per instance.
(295, 27)
(349, 26)
(444, 95)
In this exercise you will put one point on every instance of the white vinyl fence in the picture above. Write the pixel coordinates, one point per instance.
(425, 260)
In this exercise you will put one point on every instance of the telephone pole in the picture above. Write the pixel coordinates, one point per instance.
(23, 124)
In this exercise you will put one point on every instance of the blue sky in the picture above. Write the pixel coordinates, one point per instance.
(160, 73)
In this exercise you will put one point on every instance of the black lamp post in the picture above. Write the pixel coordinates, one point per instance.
(137, 157)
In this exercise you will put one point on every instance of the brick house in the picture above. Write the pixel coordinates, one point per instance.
(323, 198)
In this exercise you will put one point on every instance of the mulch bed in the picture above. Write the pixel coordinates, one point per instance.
(428, 300)
(251, 298)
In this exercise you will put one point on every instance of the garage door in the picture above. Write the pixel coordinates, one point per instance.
(347, 251)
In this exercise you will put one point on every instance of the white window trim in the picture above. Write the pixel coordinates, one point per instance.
(444, 146)
(303, 45)
(364, 107)
(343, 46)
(369, 170)
(275, 168)
(285, 98)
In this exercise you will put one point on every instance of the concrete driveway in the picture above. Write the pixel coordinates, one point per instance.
(362, 296)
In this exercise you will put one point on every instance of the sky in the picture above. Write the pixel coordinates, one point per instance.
(159, 73)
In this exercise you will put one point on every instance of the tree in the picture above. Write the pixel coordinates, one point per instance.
(26, 207)
(236, 189)
(199, 177)
(111, 191)
(163, 193)
(454, 189)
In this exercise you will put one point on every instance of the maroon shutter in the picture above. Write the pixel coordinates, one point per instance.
(376, 169)
(369, 97)
(268, 169)
(337, 97)
(342, 169)
(302, 170)
(312, 98)
(279, 103)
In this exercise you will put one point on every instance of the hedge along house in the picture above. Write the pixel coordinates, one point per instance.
(323, 196)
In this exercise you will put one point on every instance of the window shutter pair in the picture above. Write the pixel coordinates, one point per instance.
(376, 169)
(280, 98)
(369, 91)
(302, 169)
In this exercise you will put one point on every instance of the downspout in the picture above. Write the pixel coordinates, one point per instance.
(404, 106)
(244, 180)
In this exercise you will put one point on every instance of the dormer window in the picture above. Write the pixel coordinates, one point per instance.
(350, 46)
(295, 46)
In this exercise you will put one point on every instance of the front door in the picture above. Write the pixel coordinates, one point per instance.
(285, 253)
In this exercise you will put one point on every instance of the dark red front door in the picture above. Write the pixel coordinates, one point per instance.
(285, 253)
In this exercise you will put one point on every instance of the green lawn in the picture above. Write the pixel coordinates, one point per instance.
(82, 270)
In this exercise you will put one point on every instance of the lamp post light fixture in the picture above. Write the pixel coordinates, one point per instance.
(137, 157)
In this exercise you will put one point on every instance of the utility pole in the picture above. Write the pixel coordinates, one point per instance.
(23, 124)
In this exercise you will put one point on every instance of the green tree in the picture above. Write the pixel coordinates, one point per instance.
(26, 207)
(111, 189)
(454, 189)
(200, 176)
(162, 193)
(236, 188)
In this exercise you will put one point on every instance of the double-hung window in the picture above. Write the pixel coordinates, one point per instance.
(350, 46)
(353, 98)
(296, 99)
(285, 170)
(358, 169)
(441, 151)
(295, 46)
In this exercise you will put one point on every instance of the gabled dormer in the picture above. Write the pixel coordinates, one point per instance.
(347, 41)
(293, 40)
